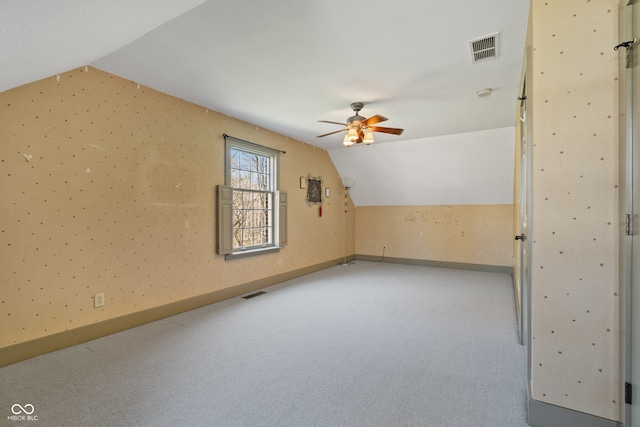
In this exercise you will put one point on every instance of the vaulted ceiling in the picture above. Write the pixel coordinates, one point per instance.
(284, 65)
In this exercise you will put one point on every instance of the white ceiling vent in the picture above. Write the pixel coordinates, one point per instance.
(485, 48)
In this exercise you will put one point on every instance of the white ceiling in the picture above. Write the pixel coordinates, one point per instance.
(442, 170)
(283, 65)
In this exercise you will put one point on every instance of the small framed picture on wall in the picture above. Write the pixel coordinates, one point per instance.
(314, 191)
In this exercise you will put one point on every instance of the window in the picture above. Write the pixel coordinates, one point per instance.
(248, 220)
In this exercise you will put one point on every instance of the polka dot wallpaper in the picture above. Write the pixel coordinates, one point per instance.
(470, 234)
(575, 317)
(108, 186)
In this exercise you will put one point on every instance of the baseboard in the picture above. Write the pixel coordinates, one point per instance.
(542, 414)
(441, 264)
(36, 347)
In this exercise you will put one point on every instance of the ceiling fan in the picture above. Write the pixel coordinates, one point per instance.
(360, 129)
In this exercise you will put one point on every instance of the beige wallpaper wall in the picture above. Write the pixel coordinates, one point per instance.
(575, 326)
(470, 234)
(110, 187)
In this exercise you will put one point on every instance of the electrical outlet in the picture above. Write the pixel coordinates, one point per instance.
(279, 261)
(98, 300)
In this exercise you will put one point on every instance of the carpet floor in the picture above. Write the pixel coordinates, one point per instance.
(369, 344)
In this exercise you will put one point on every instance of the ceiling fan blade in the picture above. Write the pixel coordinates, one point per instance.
(374, 119)
(394, 131)
(360, 136)
(335, 123)
(331, 133)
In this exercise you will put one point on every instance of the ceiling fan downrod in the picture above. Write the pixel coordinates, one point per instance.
(356, 106)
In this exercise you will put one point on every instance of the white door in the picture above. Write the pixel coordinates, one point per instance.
(635, 246)
(630, 180)
(522, 202)
(523, 291)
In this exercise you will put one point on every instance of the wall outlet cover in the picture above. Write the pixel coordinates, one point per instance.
(98, 300)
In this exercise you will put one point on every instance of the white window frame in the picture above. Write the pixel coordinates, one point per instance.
(226, 211)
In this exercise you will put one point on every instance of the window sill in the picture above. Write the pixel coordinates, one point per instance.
(252, 252)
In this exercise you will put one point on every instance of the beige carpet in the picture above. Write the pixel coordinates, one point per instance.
(369, 344)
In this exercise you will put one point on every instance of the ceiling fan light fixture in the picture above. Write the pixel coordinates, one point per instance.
(352, 135)
(368, 136)
(347, 142)
(360, 129)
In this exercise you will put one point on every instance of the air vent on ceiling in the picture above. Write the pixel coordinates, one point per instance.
(485, 48)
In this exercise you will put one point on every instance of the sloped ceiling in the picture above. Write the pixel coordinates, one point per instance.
(284, 65)
(40, 38)
(441, 170)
